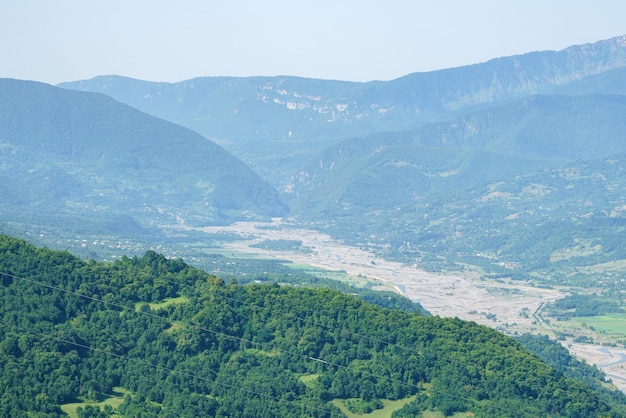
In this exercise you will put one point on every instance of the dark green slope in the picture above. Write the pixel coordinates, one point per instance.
(78, 154)
(74, 331)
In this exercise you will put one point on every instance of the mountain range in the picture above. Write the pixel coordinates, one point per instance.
(423, 160)
(276, 124)
(432, 167)
(513, 168)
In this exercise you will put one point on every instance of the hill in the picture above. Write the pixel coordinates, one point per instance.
(82, 161)
(163, 339)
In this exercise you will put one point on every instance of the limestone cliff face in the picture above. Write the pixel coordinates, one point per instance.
(512, 77)
(244, 109)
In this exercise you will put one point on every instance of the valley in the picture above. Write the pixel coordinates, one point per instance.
(274, 223)
(512, 307)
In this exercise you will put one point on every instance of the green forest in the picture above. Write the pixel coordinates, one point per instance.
(175, 341)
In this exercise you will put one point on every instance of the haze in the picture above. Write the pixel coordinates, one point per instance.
(348, 40)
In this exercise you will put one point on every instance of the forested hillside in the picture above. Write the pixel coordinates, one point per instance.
(82, 161)
(178, 342)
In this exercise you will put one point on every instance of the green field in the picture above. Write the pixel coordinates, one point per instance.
(338, 275)
(389, 408)
(115, 400)
(164, 303)
(310, 380)
(167, 302)
(613, 323)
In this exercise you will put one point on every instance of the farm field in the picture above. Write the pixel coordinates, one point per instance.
(613, 323)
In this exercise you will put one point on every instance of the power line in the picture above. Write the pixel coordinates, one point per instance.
(198, 327)
(307, 320)
(240, 339)
(170, 369)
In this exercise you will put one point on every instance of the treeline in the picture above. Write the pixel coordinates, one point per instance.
(185, 343)
(270, 271)
(558, 357)
(585, 305)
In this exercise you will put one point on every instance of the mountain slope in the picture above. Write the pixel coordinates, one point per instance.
(471, 150)
(513, 77)
(489, 181)
(609, 82)
(179, 342)
(84, 154)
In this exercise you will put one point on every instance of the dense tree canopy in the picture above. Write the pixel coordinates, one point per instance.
(181, 342)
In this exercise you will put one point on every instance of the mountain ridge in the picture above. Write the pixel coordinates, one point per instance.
(283, 121)
(80, 151)
(551, 68)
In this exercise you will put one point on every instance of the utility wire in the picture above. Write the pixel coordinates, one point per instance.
(200, 328)
(171, 370)
(240, 339)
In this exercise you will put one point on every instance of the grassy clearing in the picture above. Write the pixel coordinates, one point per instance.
(309, 379)
(385, 412)
(164, 303)
(614, 323)
(338, 275)
(167, 302)
(583, 248)
(115, 400)
(256, 352)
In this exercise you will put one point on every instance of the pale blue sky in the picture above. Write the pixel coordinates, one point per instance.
(358, 40)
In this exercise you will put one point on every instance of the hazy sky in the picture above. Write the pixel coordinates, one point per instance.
(358, 40)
